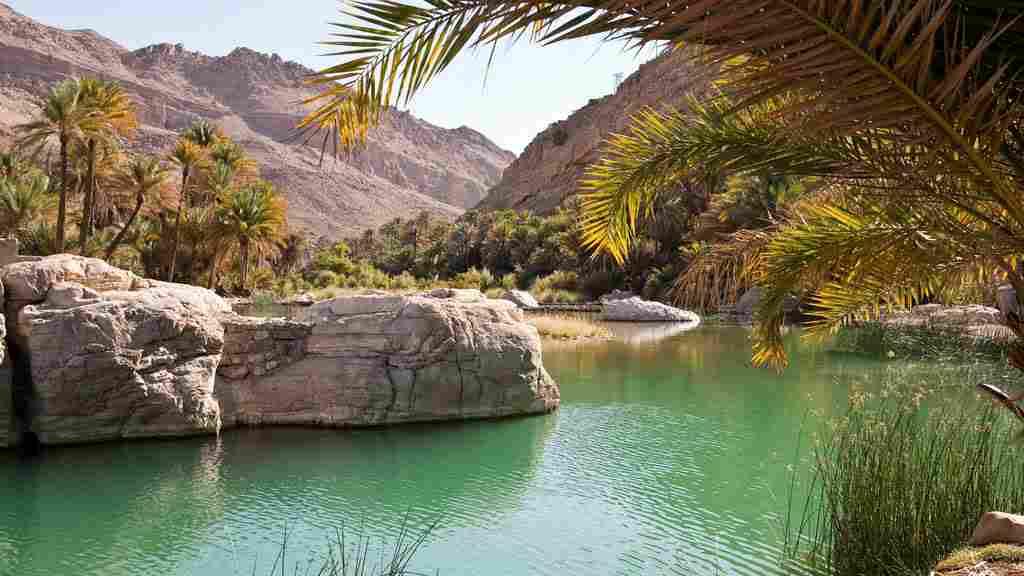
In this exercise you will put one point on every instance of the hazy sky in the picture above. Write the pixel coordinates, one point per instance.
(527, 88)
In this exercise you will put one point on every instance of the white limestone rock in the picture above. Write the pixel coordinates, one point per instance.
(636, 309)
(520, 298)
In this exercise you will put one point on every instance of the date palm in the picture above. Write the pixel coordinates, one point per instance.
(254, 216)
(143, 175)
(112, 115)
(62, 117)
(187, 155)
(24, 199)
(908, 112)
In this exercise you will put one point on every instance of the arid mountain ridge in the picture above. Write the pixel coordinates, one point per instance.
(547, 173)
(408, 164)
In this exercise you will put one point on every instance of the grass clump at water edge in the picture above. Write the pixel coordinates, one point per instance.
(900, 481)
(567, 327)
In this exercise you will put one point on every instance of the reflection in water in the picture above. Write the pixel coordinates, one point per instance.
(668, 456)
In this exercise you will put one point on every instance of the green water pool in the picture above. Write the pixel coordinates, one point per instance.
(669, 455)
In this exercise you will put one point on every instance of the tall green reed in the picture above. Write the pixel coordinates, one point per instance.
(901, 479)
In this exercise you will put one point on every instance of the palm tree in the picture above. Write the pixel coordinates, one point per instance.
(203, 134)
(113, 114)
(187, 155)
(62, 117)
(254, 215)
(24, 200)
(908, 112)
(143, 175)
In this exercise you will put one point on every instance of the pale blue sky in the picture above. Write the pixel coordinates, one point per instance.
(528, 87)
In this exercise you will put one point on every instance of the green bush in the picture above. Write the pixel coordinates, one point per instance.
(556, 296)
(510, 281)
(474, 278)
(325, 278)
(901, 479)
(600, 282)
(404, 281)
(559, 280)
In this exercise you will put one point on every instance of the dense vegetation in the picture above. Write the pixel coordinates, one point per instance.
(891, 493)
(70, 171)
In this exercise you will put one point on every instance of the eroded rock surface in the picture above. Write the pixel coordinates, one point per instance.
(121, 364)
(372, 360)
(113, 356)
(636, 309)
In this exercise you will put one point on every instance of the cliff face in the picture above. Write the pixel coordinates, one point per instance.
(546, 173)
(408, 164)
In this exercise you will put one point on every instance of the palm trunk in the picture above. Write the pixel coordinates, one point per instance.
(88, 198)
(177, 224)
(243, 250)
(62, 205)
(212, 285)
(127, 225)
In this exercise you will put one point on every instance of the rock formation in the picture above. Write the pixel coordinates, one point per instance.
(408, 165)
(373, 360)
(108, 355)
(998, 528)
(544, 176)
(520, 298)
(636, 309)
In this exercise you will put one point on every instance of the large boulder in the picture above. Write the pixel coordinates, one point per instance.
(369, 360)
(998, 528)
(111, 355)
(520, 298)
(636, 309)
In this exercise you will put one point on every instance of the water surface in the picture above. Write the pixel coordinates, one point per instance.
(668, 456)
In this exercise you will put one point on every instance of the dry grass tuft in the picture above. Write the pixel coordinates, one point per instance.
(564, 327)
(996, 559)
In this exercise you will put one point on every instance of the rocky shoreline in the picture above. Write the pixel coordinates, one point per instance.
(95, 353)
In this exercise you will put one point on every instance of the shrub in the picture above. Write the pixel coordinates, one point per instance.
(510, 281)
(903, 477)
(600, 282)
(325, 278)
(404, 281)
(559, 280)
(474, 278)
(555, 296)
(261, 278)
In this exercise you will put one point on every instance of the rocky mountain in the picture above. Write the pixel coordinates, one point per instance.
(408, 164)
(546, 173)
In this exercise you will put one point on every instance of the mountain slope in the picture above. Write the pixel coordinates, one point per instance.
(546, 173)
(408, 164)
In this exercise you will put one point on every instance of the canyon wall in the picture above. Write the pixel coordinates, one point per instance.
(545, 175)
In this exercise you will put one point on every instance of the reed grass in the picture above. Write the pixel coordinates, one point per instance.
(900, 481)
(344, 556)
(567, 327)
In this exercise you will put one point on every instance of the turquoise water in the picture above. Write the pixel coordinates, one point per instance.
(667, 457)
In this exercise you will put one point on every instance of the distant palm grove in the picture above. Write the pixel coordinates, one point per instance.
(196, 213)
